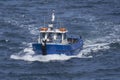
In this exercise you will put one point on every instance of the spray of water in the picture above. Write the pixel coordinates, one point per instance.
(28, 54)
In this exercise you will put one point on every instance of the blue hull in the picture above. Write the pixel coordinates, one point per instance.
(68, 49)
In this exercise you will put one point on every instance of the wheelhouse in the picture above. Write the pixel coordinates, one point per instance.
(53, 35)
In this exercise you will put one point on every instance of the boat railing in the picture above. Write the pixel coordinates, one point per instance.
(74, 36)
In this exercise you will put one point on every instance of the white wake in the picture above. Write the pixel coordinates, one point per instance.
(28, 54)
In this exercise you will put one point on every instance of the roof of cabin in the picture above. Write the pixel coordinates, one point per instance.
(54, 31)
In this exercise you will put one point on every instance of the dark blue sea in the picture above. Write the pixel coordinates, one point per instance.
(97, 21)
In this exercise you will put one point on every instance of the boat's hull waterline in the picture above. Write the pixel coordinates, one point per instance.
(69, 49)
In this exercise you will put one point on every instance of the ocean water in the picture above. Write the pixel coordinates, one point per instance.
(97, 21)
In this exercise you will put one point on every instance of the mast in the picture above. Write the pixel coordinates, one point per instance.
(53, 16)
(52, 21)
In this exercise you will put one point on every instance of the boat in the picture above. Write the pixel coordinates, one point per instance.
(53, 40)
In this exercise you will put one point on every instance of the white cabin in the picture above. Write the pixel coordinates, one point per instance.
(53, 35)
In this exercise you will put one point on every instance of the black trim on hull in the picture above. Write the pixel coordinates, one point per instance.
(44, 50)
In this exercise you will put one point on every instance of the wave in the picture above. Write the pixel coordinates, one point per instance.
(109, 30)
(28, 54)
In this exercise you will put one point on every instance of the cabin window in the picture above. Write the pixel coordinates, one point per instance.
(65, 36)
(59, 36)
(43, 35)
(50, 36)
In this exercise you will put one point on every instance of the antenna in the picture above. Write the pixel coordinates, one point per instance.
(44, 21)
(60, 24)
(53, 16)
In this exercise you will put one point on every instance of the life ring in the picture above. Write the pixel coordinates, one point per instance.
(43, 29)
(62, 29)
